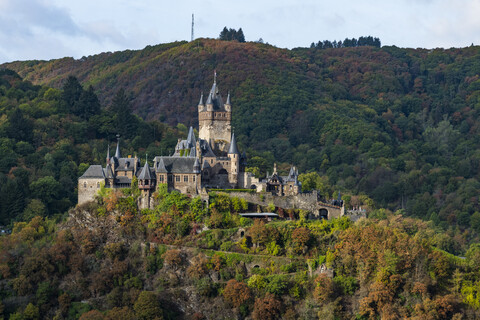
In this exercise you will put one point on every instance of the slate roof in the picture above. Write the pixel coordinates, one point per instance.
(228, 99)
(130, 164)
(233, 146)
(146, 173)
(215, 98)
(94, 171)
(117, 152)
(175, 164)
(108, 172)
(122, 180)
(205, 149)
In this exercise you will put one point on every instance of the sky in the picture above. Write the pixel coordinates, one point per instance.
(50, 29)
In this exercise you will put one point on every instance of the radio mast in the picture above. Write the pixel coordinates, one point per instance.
(193, 25)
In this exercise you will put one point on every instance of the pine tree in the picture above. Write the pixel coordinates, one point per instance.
(88, 104)
(72, 90)
(124, 120)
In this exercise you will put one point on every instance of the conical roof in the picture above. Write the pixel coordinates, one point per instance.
(209, 99)
(233, 146)
(145, 174)
(109, 172)
(108, 154)
(117, 152)
(228, 99)
(191, 138)
(161, 166)
(200, 103)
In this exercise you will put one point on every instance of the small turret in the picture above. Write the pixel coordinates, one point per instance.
(117, 152)
(200, 104)
(228, 106)
(233, 146)
(234, 156)
(209, 103)
(108, 155)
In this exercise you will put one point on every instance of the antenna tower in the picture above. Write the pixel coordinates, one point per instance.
(193, 25)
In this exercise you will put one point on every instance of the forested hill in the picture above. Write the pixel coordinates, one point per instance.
(399, 125)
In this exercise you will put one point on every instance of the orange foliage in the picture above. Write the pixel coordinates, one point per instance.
(236, 293)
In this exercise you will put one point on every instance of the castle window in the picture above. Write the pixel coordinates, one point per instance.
(211, 160)
(98, 184)
(193, 178)
(177, 178)
(185, 178)
(84, 184)
(161, 178)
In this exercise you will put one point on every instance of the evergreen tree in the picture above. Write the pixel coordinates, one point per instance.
(20, 128)
(88, 104)
(72, 90)
(125, 122)
(224, 34)
(240, 35)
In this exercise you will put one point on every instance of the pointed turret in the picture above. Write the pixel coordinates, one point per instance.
(146, 174)
(210, 99)
(161, 166)
(228, 99)
(200, 103)
(108, 155)
(117, 152)
(233, 146)
(191, 138)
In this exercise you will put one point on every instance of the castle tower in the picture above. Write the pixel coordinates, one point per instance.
(214, 119)
(234, 156)
(146, 184)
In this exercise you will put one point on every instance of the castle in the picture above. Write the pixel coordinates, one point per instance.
(212, 161)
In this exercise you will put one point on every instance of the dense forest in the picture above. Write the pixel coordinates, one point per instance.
(111, 261)
(399, 126)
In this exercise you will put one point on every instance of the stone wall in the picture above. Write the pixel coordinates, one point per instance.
(88, 188)
(303, 201)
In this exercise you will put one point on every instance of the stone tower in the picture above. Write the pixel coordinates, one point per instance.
(214, 119)
(234, 156)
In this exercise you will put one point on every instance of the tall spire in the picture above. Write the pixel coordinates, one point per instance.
(228, 98)
(209, 100)
(200, 103)
(108, 154)
(233, 146)
(117, 152)
(191, 138)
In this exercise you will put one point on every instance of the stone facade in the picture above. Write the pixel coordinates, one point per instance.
(211, 161)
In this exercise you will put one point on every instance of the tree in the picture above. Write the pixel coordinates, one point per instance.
(236, 293)
(88, 104)
(240, 35)
(267, 308)
(323, 288)
(20, 128)
(72, 90)
(125, 122)
(47, 189)
(147, 306)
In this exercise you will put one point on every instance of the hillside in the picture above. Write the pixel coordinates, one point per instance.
(397, 125)
(110, 260)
